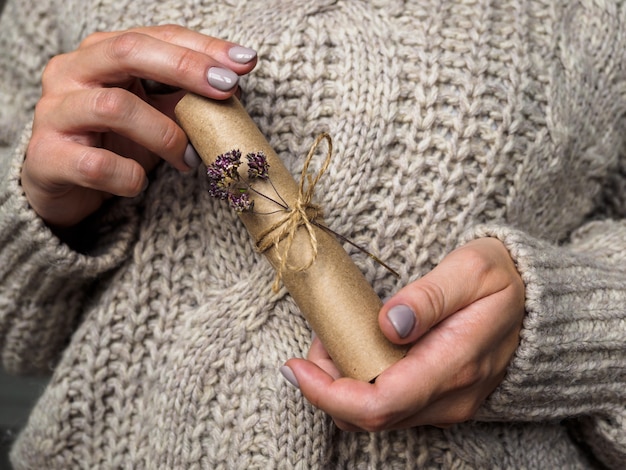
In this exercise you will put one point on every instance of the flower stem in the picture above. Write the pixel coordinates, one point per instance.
(282, 204)
(361, 249)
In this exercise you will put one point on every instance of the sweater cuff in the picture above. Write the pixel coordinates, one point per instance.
(44, 283)
(570, 360)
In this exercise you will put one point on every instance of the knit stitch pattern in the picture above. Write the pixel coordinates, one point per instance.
(451, 120)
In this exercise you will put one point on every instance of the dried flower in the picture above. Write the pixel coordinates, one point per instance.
(240, 202)
(228, 163)
(216, 187)
(222, 173)
(258, 166)
(225, 182)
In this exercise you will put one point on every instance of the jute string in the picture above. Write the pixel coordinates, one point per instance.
(303, 213)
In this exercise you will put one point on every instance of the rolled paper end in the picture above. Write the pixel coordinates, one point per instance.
(332, 293)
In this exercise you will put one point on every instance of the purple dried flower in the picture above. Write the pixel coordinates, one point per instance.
(226, 166)
(240, 202)
(217, 192)
(217, 184)
(225, 182)
(257, 165)
(213, 173)
(222, 172)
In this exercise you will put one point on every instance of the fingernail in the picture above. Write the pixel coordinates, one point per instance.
(289, 375)
(241, 55)
(222, 79)
(146, 183)
(402, 317)
(191, 157)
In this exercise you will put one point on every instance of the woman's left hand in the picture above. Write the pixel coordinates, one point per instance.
(464, 319)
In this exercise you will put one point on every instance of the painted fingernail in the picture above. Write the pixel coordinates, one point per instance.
(191, 157)
(402, 317)
(222, 79)
(241, 55)
(289, 375)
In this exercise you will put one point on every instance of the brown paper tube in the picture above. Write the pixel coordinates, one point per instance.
(332, 293)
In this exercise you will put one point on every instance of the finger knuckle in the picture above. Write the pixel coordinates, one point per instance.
(52, 70)
(186, 62)
(211, 44)
(376, 418)
(91, 39)
(375, 414)
(92, 166)
(44, 127)
(134, 180)
(376, 422)
(124, 46)
(478, 263)
(108, 103)
(472, 374)
(167, 32)
(36, 149)
(44, 107)
(172, 137)
(434, 298)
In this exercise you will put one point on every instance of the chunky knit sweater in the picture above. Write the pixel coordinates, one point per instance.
(451, 120)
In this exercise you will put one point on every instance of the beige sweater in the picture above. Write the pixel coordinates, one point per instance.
(451, 120)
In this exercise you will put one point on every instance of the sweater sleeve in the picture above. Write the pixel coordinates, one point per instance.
(571, 360)
(44, 283)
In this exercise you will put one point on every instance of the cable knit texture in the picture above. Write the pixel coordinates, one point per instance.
(451, 120)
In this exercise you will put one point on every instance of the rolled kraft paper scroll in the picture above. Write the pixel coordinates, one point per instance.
(332, 293)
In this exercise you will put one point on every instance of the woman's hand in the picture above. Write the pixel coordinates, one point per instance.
(464, 319)
(97, 131)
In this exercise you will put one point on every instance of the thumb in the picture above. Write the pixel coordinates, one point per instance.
(463, 277)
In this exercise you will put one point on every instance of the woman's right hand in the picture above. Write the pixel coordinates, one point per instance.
(97, 131)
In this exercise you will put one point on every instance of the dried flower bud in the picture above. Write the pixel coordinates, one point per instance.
(228, 164)
(240, 202)
(257, 165)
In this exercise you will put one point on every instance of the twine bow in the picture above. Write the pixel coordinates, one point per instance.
(303, 213)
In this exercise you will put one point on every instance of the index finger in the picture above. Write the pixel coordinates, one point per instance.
(118, 58)
(238, 58)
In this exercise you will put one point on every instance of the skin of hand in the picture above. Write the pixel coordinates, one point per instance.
(468, 313)
(97, 132)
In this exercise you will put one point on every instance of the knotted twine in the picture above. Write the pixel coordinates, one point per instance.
(303, 213)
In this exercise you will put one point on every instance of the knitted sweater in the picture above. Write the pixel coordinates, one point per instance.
(451, 120)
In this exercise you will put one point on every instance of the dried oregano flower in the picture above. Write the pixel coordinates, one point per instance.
(225, 181)
(257, 166)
